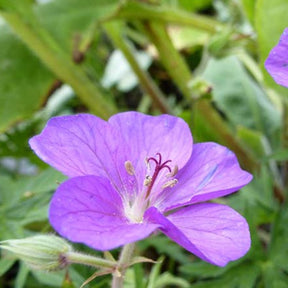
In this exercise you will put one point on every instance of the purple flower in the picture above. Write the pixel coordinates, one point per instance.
(136, 174)
(277, 61)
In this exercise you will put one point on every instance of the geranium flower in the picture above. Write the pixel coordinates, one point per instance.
(277, 61)
(136, 174)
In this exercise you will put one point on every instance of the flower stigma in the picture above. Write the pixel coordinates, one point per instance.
(158, 167)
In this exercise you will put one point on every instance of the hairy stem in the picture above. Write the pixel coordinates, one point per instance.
(79, 258)
(123, 262)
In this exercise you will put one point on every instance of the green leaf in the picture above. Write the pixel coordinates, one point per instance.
(24, 80)
(54, 279)
(269, 27)
(281, 155)
(166, 279)
(239, 97)
(258, 197)
(5, 265)
(21, 276)
(165, 246)
(254, 140)
(68, 21)
(274, 277)
(278, 249)
(14, 142)
(249, 9)
(202, 270)
(27, 187)
(47, 180)
(240, 276)
(202, 131)
(139, 278)
(25, 201)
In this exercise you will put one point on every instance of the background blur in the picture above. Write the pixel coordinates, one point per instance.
(201, 60)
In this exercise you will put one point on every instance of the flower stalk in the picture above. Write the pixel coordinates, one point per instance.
(113, 31)
(79, 258)
(132, 10)
(123, 263)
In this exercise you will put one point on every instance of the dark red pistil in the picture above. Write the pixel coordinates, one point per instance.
(158, 167)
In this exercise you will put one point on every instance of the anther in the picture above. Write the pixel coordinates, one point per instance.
(129, 168)
(147, 180)
(170, 183)
(173, 173)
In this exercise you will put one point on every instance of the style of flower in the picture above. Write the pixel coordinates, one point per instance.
(136, 174)
(277, 61)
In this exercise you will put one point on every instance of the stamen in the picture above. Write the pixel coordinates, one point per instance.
(148, 180)
(171, 183)
(129, 168)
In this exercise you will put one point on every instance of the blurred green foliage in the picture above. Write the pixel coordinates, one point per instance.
(53, 58)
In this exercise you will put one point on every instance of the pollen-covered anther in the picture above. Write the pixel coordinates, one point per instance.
(171, 183)
(173, 173)
(129, 168)
(147, 180)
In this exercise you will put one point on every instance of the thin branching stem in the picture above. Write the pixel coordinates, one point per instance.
(113, 31)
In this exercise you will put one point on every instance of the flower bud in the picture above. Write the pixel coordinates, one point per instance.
(42, 252)
(199, 88)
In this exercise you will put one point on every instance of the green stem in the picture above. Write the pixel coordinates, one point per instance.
(139, 11)
(78, 258)
(169, 56)
(57, 61)
(113, 31)
(180, 73)
(123, 262)
(214, 120)
(285, 145)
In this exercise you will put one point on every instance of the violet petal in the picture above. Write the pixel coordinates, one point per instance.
(147, 135)
(73, 144)
(212, 171)
(86, 145)
(213, 232)
(88, 210)
(277, 61)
